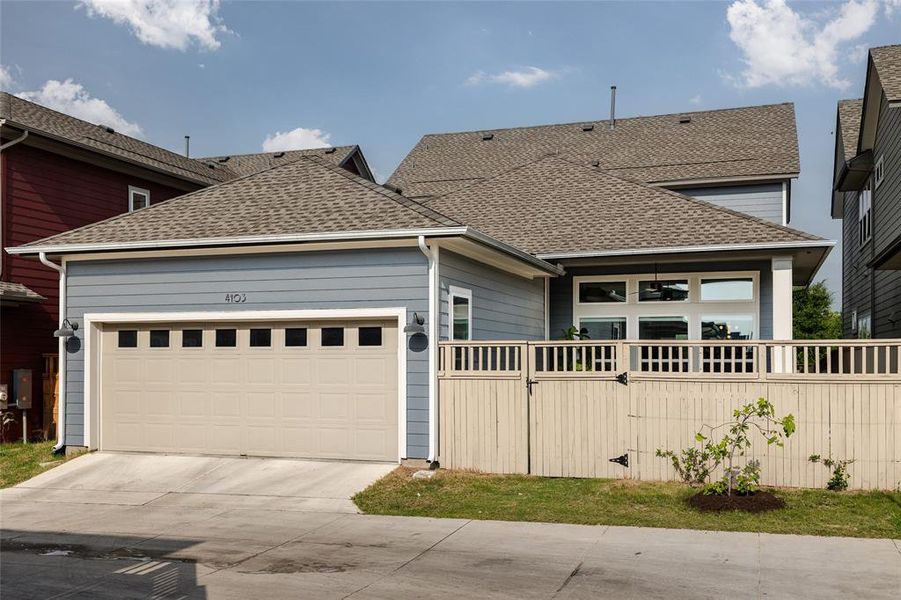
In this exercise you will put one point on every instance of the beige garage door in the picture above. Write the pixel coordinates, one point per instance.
(319, 390)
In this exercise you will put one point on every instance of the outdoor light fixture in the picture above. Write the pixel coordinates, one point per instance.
(67, 330)
(416, 325)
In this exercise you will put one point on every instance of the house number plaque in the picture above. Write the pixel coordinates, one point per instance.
(235, 298)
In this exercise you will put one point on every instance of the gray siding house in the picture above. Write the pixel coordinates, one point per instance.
(867, 188)
(295, 311)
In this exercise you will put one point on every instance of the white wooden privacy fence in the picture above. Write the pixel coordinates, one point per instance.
(585, 409)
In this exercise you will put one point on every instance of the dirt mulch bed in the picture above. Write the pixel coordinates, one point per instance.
(757, 502)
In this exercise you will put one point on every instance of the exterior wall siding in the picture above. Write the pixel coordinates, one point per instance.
(316, 280)
(863, 288)
(758, 200)
(504, 306)
(45, 194)
(561, 291)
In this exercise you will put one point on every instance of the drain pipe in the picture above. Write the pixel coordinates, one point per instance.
(432, 255)
(61, 411)
(8, 144)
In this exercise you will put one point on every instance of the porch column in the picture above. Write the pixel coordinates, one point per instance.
(782, 312)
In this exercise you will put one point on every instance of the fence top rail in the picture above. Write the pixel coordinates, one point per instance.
(749, 343)
(467, 343)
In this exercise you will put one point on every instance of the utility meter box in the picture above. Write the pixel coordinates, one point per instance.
(4, 396)
(23, 388)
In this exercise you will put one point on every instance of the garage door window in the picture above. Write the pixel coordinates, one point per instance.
(128, 338)
(192, 338)
(159, 338)
(370, 336)
(295, 336)
(332, 336)
(226, 338)
(260, 338)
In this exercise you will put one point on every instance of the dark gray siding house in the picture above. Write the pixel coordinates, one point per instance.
(867, 186)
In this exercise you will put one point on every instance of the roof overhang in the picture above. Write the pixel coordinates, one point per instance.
(14, 294)
(872, 100)
(854, 173)
(470, 242)
(808, 255)
(888, 259)
(724, 181)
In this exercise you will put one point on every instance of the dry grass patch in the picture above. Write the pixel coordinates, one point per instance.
(468, 495)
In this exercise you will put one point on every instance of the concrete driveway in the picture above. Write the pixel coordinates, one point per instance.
(105, 526)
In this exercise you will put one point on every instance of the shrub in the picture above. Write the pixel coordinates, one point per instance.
(839, 480)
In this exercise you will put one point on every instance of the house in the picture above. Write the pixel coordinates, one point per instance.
(295, 311)
(59, 173)
(866, 191)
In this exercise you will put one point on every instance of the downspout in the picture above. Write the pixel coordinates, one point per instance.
(8, 144)
(61, 418)
(432, 255)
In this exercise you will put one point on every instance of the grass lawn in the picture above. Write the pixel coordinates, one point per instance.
(456, 494)
(19, 462)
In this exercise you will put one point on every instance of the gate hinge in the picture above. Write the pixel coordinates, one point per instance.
(623, 378)
(621, 460)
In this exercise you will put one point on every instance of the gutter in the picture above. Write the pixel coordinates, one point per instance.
(61, 419)
(434, 317)
(689, 249)
(8, 144)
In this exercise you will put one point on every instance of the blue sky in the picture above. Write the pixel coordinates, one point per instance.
(381, 74)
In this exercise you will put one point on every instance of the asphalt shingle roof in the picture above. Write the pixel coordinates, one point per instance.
(738, 142)
(248, 164)
(96, 137)
(306, 196)
(18, 292)
(887, 60)
(849, 112)
(554, 206)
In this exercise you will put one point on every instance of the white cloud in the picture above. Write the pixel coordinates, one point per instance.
(523, 78)
(696, 99)
(782, 47)
(891, 6)
(71, 98)
(6, 78)
(296, 139)
(165, 23)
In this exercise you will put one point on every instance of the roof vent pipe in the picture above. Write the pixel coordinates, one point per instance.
(188, 146)
(612, 107)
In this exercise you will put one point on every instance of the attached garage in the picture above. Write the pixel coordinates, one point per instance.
(312, 389)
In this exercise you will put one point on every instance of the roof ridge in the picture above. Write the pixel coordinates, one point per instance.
(699, 202)
(618, 119)
(272, 152)
(398, 198)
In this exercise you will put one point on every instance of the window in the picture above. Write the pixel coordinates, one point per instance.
(226, 338)
(864, 326)
(600, 291)
(159, 338)
(137, 198)
(128, 338)
(727, 290)
(663, 328)
(864, 214)
(665, 290)
(260, 338)
(603, 328)
(370, 336)
(332, 336)
(295, 336)
(192, 338)
(878, 173)
(727, 327)
(460, 302)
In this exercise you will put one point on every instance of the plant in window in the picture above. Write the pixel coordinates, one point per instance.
(695, 465)
(840, 476)
(573, 333)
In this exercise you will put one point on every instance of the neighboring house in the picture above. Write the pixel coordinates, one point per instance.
(295, 311)
(867, 197)
(58, 173)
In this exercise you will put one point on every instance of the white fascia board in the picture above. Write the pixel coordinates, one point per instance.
(690, 249)
(516, 252)
(236, 241)
(737, 180)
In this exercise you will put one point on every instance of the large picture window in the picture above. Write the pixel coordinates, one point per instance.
(670, 306)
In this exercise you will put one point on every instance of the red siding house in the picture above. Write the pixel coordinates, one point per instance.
(59, 173)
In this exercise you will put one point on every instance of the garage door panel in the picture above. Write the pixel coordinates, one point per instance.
(267, 400)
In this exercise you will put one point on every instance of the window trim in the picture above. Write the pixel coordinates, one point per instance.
(454, 291)
(694, 309)
(865, 215)
(132, 190)
(878, 172)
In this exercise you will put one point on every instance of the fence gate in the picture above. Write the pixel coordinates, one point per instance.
(601, 409)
